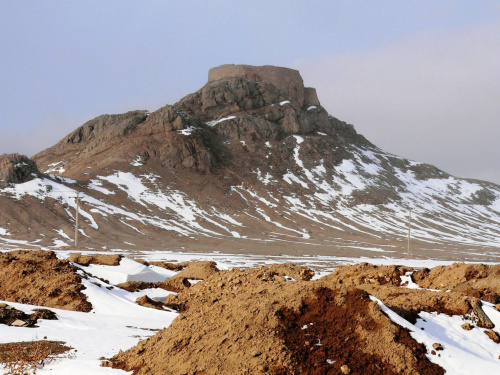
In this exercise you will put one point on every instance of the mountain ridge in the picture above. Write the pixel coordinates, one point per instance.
(251, 156)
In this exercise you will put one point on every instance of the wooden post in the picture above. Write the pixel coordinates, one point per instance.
(409, 230)
(76, 221)
(484, 320)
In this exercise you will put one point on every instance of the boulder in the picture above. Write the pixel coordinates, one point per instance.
(16, 169)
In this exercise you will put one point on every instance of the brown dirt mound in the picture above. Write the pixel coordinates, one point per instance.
(180, 281)
(39, 278)
(135, 286)
(166, 265)
(198, 270)
(193, 270)
(365, 273)
(409, 302)
(250, 322)
(290, 270)
(102, 259)
(477, 280)
(338, 328)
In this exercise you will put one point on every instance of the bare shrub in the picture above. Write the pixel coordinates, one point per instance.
(25, 358)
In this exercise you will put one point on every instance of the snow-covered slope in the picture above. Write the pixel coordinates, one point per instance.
(241, 165)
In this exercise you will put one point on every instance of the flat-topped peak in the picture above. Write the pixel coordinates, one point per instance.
(286, 79)
(268, 73)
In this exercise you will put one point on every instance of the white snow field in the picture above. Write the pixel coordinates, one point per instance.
(118, 323)
(445, 209)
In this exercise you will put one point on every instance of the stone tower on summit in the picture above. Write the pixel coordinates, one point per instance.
(286, 79)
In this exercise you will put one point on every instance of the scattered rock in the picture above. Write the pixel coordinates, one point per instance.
(148, 302)
(437, 346)
(345, 369)
(467, 326)
(19, 323)
(493, 335)
(256, 353)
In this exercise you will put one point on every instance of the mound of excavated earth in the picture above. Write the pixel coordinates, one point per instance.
(384, 282)
(40, 278)
(254, 321)
(478, 280)
(270, 320)
(101, 259)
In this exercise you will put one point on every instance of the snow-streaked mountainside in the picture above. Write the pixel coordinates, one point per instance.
(247, 162)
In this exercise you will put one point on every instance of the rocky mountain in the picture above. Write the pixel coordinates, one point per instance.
(250, 162)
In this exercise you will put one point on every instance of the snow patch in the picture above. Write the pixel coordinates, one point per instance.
(187, 131)
(215, 122)
(137, 162)
(127, 270)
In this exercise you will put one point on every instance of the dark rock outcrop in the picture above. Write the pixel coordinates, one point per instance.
(105, 127)
(16, 169)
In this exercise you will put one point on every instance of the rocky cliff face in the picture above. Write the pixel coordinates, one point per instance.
(251, 157)
(239, 103)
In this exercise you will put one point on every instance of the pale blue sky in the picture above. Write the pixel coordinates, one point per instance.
(417, 78)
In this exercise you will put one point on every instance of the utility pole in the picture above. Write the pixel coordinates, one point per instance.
(76, 221)
(409, 230)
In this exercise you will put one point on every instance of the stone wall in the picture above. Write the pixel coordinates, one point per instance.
(310, 96)
(289, 80)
